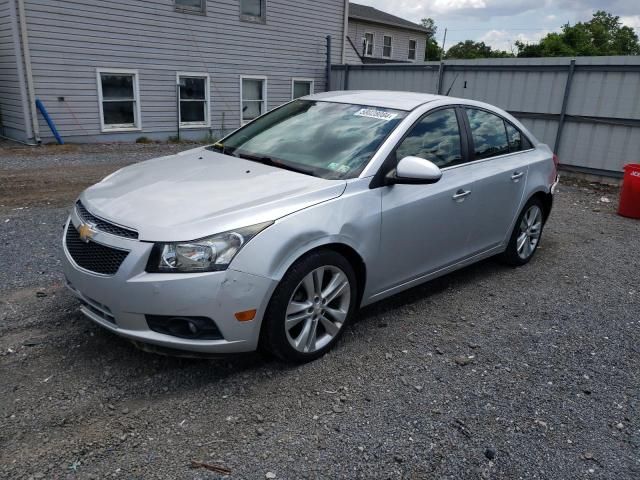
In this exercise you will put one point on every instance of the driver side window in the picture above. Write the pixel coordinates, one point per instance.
(436, 138)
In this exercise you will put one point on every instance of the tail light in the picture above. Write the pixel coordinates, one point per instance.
(556, 160)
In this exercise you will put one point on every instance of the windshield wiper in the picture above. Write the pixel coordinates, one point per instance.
(274, 163)
(218, 147)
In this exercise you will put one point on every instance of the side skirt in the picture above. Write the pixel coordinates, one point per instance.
(430, 276)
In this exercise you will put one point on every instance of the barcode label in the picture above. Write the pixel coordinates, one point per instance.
(377, 114)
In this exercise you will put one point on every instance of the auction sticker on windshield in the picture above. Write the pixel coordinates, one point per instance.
(377, 114)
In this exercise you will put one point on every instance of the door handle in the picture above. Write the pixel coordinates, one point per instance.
(516, 176)
(460, 195)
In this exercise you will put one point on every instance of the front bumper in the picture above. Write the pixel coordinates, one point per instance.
(120, 302)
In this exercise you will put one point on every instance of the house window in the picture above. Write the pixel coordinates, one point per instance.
(253, 91)
(368, 44)
(301, 87)
(191, 6)
(386, 46)
(118, 97)
(412, 49)
(253, 11)
(194, 99)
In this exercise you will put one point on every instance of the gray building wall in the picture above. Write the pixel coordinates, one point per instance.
(400, 42)
(12, 114)
(352, 55)
(602, 125)
(70, 39)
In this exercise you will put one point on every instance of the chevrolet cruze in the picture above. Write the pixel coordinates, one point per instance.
(273, 237)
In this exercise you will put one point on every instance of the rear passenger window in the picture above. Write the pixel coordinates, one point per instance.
(488, 132)
(517, 141)
(436, 138)
(515, 138)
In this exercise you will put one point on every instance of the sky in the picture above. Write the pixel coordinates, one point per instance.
(499, 23)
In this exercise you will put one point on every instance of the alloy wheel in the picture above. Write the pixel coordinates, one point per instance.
(529, 233)
(317, 309)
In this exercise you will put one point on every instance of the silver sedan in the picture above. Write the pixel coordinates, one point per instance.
(273, 237)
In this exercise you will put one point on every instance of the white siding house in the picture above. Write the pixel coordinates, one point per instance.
(12, 107)
(124, 69)
(374, 36)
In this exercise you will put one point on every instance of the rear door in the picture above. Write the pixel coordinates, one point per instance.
(501, 155)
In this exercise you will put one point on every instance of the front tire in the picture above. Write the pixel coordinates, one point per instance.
(526, 234)
(310, 307)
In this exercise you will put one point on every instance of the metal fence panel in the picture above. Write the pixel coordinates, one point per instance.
(544, 130)
(601, 126)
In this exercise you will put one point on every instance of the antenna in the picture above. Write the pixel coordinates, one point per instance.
(451, 86)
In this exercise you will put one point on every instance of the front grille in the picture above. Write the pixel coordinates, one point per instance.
(103, 225)
(92, 256)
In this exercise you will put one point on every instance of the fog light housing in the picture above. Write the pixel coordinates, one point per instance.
(192, 328)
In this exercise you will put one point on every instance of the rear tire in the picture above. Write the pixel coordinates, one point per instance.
(526, 235)
(310, 307)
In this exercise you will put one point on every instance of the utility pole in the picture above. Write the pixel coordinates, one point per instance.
(444, 41)
(441, 68)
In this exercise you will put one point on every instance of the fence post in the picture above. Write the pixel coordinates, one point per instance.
(328, 87)
(345, 85)
(565, 102)
(440, 77)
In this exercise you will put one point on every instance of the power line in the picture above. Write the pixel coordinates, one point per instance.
(501, 29)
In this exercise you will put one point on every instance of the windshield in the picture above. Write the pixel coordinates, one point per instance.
(324, 139)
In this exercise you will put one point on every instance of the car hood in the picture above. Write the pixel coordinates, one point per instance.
(198, 193)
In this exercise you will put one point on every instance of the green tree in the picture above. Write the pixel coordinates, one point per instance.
(604, 34)
(430, 24)
(470, 49)
(432, 50)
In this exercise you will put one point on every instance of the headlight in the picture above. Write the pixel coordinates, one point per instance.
(204, 255)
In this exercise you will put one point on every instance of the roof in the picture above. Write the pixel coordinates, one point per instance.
(377, 98)
(370, 14)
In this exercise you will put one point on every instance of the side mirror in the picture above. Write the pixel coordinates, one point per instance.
(414, 171)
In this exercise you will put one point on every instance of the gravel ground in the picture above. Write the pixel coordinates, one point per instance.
(16, 156)
(490, 372)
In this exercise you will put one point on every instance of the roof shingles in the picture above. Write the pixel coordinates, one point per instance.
(370, 14)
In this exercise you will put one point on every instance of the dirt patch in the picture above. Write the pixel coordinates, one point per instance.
(56, 174)
(55, 186)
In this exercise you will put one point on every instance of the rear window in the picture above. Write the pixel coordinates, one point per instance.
(517, 141)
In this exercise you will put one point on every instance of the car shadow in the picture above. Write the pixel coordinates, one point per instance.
(101, 357)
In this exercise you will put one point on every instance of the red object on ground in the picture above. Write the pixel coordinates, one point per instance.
(630, 193)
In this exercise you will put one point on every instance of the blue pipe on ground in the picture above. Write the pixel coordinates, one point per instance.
(49, 120)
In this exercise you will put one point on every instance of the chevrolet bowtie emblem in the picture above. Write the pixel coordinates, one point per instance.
(86, 231)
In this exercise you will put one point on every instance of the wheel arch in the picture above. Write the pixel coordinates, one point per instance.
(344, 249)
(546, 199)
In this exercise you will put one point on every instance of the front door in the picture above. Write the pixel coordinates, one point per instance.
(426, 227)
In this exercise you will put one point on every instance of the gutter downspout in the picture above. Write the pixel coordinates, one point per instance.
(345, 32)
(17, 49)
(43, 110)
(27, 63)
